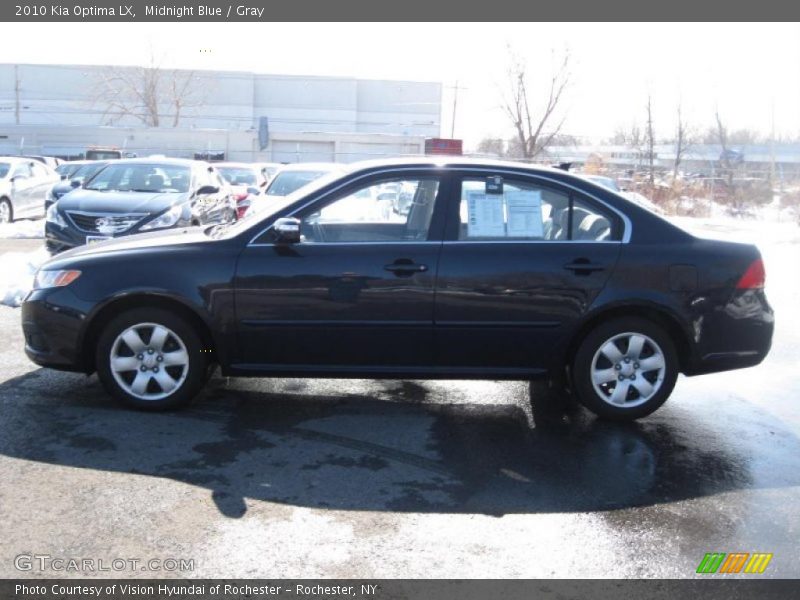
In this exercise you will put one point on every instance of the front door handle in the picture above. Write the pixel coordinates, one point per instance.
(583, 266)
(405, 267)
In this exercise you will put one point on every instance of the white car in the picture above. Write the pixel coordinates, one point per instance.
(289, 179)
(24, 185)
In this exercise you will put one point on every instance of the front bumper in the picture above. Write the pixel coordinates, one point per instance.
(53, 323)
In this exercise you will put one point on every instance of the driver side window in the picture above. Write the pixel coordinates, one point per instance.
(388, 210)
(23, 171)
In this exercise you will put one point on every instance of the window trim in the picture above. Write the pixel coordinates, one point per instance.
(436, 227)
(619, 221)
(449, 176)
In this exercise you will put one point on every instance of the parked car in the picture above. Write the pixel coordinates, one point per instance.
(83, 170)
(288, 180)
(246, 180)
(269, 170)
(67, 168)
(51, 161)
(135, 195)
(292, 177)
(499, 270)
(24, 184)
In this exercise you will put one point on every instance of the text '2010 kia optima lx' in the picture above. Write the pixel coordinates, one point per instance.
(497, 271)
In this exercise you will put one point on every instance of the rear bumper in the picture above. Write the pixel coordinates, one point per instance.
(734, 336)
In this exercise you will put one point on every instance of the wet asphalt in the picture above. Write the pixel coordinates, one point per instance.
(365, 478)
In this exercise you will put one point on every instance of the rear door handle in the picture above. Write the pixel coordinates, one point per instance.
(583, 266)
(402, 267)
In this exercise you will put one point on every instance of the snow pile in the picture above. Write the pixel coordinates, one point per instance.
(16, 274)
(753, 231)
(26, 228)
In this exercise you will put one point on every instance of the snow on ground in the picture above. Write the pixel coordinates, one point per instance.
(25, 228)
(16, 274)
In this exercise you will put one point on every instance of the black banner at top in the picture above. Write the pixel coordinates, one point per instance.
(132, 11)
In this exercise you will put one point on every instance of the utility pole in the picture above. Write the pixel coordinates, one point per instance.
(772, 146)
(455, 106)
(16, 94)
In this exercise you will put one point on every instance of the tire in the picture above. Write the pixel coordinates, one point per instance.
(6, 211)
(148, 383)
(625, 388)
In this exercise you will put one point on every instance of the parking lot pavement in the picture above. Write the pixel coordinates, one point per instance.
(302, 478)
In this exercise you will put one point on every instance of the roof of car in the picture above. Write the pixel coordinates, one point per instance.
(17, 159)
(237, 165)
(448, 161)
(315, 166)
(160, 160)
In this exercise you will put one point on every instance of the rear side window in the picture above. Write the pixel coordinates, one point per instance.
(497, 208)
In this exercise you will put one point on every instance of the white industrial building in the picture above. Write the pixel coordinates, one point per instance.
(60, 110)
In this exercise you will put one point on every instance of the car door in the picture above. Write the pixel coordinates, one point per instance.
(356, 292)
(43, 180)
(523, 260)
(22, 190)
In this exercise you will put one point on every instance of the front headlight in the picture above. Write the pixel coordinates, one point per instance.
(50, 279)
(53, 216)
(168, 219)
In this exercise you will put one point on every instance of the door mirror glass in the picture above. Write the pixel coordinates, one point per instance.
(75, 183)
(287, 230)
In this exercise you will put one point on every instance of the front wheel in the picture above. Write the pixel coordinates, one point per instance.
(625, 369)
(151, 359)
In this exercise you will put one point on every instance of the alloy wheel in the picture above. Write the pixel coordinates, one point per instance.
(149, 361)
(628, 369)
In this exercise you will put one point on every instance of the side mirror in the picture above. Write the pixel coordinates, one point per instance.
(252, 190)
(287, 230)
(207, 190)
(76, 183)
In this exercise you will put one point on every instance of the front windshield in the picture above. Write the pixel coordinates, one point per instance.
(288, 182)
(84, 172)
(4, 169)
(66, 168)
(138, 177)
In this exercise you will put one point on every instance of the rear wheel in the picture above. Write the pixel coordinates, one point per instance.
(6, 211)
(151, 359)
(625, 369)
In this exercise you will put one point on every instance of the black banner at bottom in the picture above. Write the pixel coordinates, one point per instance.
(396, 589)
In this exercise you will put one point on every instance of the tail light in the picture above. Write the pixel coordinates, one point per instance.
(754, 277)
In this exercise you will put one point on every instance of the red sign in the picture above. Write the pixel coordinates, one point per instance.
(444, 146)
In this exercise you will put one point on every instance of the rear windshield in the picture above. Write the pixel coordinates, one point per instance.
(238, 175)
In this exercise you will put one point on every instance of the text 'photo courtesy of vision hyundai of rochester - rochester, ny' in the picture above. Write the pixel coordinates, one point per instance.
(409, 268)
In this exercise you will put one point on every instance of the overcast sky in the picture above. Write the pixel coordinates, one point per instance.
(745, 69)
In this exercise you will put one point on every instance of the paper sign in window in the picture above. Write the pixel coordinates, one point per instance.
(524, 214)
(485, 215)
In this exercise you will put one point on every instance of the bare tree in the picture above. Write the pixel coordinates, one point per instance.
(682, 141)
(148, 94)
(722, 140)
(529, 120)
(492, 146)
(650, 140)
